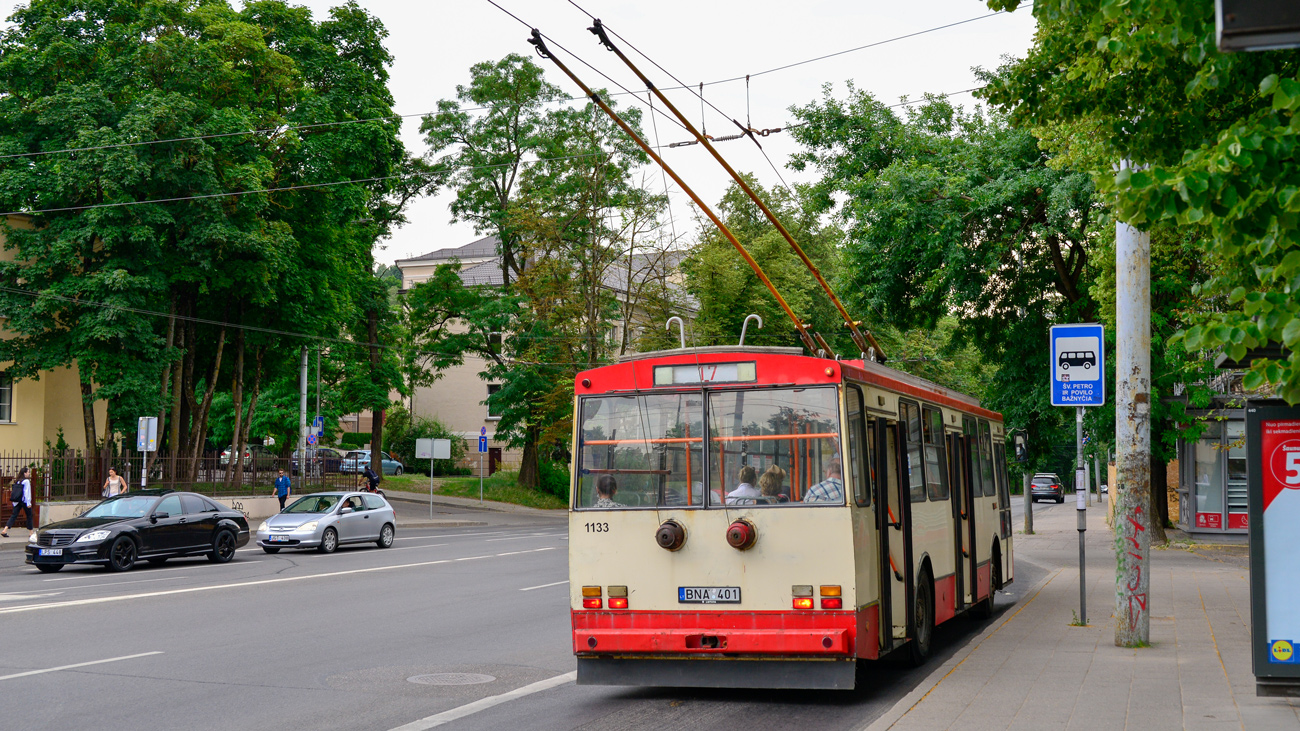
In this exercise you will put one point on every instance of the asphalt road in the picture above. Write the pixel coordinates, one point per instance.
(302, 640)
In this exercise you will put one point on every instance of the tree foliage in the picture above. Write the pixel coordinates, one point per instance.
(1210, 137)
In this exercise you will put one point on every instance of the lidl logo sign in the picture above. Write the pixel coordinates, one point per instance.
(1282, 651)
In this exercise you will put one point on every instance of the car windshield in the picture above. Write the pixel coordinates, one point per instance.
(129, 506)
(313, 504)
(1044, 481)
(358, 455)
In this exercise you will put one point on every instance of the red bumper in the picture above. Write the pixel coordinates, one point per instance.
(827, 634)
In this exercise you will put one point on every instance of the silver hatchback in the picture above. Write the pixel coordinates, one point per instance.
(326, 520)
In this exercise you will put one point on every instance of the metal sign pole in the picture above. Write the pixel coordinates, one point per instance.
(1081, 510)
(480, 478)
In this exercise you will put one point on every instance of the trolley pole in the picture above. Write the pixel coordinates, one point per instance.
(302, 424)
(1081, 510)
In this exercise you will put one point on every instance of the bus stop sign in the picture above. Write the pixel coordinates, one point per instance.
(1078, 365)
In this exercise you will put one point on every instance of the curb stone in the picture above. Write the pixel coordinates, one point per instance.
(909, 701)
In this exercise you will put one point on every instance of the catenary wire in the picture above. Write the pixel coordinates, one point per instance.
(289, 128)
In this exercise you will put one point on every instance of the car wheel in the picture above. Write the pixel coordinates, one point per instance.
(49, 568)
(397, 470)
(1060, 500)
(271, 549)
(223, 547)
(157, 561)
(329, 541)
(385, 536)
(918, 650)
(121, 555)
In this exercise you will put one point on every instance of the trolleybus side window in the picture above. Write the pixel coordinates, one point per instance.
(910, 415)
(860, 458)
(986, 459)
(971, 432)
(790, 437)
(936, 460)
(641, 451)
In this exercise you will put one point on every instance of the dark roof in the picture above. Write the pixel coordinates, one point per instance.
(484, 247)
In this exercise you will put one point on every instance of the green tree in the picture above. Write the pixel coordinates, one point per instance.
(1210, 137)
(956, 214)
(108, 74)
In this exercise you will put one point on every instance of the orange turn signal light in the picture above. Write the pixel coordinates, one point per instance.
(617, 603)
(836, 603)
(591, 591)
(591, 603)
(830, 591)
(803, 602)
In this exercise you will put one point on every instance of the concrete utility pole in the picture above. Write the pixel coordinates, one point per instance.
(1132, 435)
(302, 422)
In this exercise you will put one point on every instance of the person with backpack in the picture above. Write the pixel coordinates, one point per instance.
(20, 494)
(372, 478)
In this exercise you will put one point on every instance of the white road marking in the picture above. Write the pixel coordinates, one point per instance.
(119, 583)
(78, 665)
(16, 597)
(431, 545)
(239, 584)
(483, 704)
(543, 586)
(84, 574)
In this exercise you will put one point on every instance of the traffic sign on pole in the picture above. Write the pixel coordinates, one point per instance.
(482, 444)
(1078, 365)
(311, 440)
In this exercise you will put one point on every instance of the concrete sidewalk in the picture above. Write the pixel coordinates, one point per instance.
(1030, 669)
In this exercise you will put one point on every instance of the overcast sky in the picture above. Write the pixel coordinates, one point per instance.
(434, 42)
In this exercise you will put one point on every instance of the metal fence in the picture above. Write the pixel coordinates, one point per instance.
(75, 474)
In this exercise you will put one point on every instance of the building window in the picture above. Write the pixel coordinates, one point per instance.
(494, 411)
(6, 397)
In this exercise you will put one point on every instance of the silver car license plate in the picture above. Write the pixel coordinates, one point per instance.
(708, 594)
(51, 551)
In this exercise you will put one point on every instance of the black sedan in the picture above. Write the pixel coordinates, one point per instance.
(153, 525)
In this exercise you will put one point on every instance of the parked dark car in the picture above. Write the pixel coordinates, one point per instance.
(1046, 485)
(322, 460)
(153, 525)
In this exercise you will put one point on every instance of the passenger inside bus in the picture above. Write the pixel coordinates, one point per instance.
(829, 490)
(772, 485)
(745, 493)
(606, 486)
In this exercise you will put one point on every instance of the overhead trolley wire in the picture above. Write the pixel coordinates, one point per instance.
(315, 125)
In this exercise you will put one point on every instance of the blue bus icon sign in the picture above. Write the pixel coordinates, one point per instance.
(1078, 365)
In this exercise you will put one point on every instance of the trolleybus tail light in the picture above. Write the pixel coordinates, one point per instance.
(803, 602)
(831, 597)
(832, 603)
(591, 597)
(618, 597)
(741, 535)
(670, 536)
(592, 603)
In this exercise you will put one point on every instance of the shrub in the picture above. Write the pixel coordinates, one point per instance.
(555, 479)
(401, 431)
(355, 440)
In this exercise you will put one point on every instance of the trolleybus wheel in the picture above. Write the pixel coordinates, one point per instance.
(984, 609)
(918, 650)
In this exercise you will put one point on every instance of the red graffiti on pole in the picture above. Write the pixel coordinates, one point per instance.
(1134, 597)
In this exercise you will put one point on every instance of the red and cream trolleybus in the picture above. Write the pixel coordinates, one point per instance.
(751, 517)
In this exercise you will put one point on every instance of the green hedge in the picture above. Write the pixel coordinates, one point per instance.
(355, 440)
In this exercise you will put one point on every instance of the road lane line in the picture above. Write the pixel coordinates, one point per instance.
(119, 583)
(239, 584)
(407, 548)
(469, 709)
(78, 665)
(20, 597)
(543, 586)
(520, 538)
(84, 574)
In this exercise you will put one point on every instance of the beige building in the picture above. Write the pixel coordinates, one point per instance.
(33, 409)
(457, 398)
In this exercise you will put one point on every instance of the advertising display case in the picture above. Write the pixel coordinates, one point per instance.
(1273, 468)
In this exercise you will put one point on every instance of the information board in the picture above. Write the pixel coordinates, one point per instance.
(1078, 365)
(1273, 478)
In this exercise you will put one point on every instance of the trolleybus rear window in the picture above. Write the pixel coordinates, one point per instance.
(789, 438)
(641, 451)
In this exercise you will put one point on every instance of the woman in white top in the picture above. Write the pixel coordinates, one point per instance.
(114, 485)
(745, 493)
(20, 492)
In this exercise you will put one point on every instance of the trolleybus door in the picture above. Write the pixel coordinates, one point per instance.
(893, 557)
(960, 515)
(970, 437)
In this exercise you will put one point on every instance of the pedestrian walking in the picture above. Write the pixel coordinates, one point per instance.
(282, 488)
(114, 485)
(20, 494)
